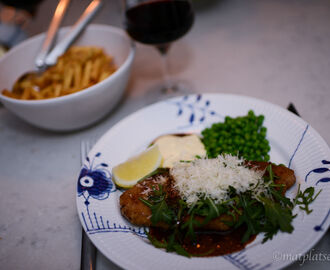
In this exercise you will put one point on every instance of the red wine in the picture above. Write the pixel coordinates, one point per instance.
(159, 22)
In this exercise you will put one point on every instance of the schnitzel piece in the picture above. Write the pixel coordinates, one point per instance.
(133, 208)
(285, 176)
(138, 213)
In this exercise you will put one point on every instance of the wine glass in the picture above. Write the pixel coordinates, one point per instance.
(159, 23)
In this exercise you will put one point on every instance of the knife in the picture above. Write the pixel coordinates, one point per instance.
(292, 109)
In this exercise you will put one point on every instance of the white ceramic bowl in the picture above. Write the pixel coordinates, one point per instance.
(79, 109)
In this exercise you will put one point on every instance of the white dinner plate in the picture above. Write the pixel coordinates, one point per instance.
(293, 143)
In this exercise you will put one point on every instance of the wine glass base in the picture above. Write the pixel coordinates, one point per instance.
(174, 89)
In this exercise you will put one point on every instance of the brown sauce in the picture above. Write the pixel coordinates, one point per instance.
(210, 244)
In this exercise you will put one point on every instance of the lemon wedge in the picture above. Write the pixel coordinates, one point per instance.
(127, 174)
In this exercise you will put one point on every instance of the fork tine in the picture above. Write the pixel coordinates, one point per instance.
(87, 147)
(82, 152)
(88, 250)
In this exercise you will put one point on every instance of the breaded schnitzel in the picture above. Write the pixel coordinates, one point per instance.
(138, 213)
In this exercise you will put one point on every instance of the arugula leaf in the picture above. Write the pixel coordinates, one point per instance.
(277, 194)
(246, 217)
(147, 203)
(212, 212)
(180, 250)
(161, 212)
(279, 216)
(159, 208)
(185, 161)
(305, 198)
(270, 172)
(189, 225)
(156, 242)
(270, 176)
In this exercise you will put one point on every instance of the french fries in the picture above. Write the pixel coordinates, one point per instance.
(77, 69)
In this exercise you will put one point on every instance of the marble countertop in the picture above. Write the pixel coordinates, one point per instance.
(278, 51)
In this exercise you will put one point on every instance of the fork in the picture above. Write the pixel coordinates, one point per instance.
(88, 250)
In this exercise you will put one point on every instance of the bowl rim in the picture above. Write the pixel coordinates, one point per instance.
(85, 91)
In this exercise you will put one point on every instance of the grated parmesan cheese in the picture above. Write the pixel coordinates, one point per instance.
(211, 178)
(147, 188)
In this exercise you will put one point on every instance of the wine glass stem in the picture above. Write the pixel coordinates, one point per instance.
(168, 84)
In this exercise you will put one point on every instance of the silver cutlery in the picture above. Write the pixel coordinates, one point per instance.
(78, 27)
(88, 250)
(46, 58)
(51, 33)
(292, 109)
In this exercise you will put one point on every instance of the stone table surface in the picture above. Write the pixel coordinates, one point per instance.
(278, 51)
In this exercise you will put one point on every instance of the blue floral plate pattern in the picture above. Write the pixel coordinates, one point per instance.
(293, 142)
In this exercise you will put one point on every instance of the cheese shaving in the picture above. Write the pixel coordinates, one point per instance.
(158, 180)
(211, 178)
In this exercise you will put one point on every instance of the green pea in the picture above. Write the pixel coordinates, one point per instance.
(242, 135)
